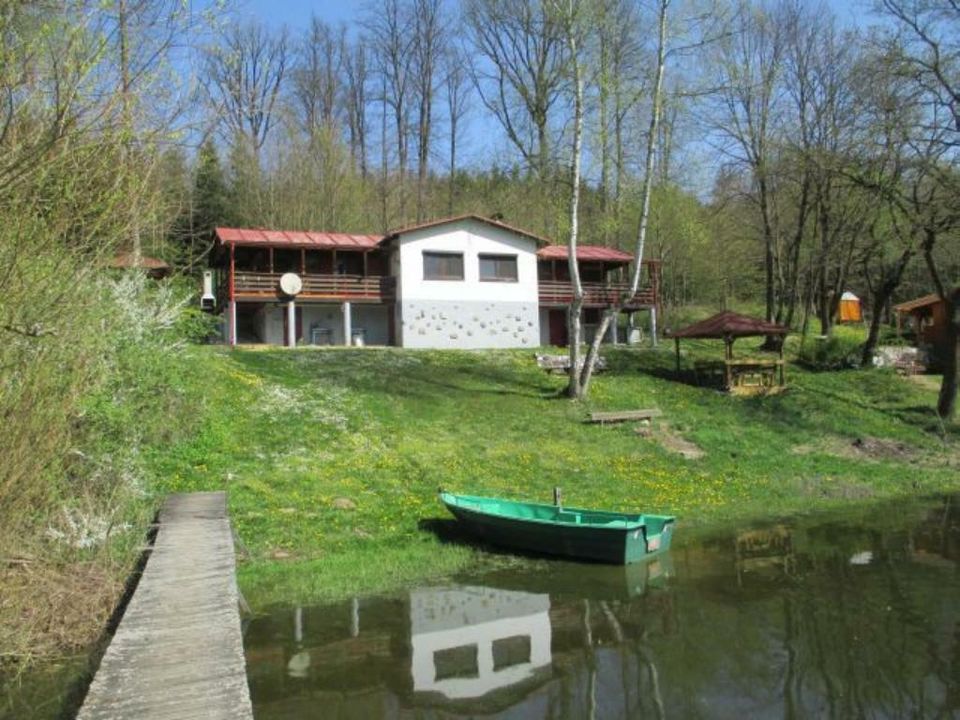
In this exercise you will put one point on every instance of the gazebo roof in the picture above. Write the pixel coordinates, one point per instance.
(729, 324)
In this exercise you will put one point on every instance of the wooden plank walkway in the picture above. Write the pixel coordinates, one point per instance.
(178, 651)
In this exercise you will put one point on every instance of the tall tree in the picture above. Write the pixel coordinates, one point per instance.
(243, 76)
(316, 76)
(927, 34)
(457, 89)
(611, 313)
(357, 76)
(390, 27)
(522, 72)
(209, 201)
(428, 32)
(750, 62)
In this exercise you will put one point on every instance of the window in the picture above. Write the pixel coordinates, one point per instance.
(510, 651)
(498, 268)
(442, 266)
(458, 662)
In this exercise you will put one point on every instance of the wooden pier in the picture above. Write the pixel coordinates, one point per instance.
(178, 651)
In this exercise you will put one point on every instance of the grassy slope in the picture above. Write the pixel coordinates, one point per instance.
(288, 432)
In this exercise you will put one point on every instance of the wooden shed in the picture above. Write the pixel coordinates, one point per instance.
(927, 318)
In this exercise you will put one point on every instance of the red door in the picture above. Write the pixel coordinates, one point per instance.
(558, 327)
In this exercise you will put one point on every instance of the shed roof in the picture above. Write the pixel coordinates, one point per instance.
(920, 302)
(540, 240)
(128, 260)
(730, 324)
(296, 239)
(154, 266)
(585, 252)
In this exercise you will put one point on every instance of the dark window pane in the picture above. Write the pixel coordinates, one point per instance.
(286, 261)
(442, 266)
(511, 651)
(457, 662)
(498, 267)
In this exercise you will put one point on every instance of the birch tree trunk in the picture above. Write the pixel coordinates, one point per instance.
(574, 389)
(586, 373)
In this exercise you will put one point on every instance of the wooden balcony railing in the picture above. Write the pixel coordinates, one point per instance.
(560, 292)
(339, 287)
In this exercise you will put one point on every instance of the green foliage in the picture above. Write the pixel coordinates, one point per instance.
(288, 433)
(841, 349)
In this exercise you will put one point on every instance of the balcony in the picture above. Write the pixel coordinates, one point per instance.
(595, 294)
(369, 288)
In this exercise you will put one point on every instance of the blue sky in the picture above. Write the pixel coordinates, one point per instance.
(296, 13)
(477, 128)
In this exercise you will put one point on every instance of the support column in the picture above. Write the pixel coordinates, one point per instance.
(629, 328)
(347, 324)
(291, 324)
(232, 323)
(653, 327)
(232, 304)
(614, 329)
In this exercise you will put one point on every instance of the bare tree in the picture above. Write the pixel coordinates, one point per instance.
(357, 75)
(243, 77)
(750, 61)
(392, 35)
(621, 83)
(428, 32)
(522, 75)
(457, 88)
(316, 78)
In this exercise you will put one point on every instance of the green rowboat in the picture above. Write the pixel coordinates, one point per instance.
(617, 538)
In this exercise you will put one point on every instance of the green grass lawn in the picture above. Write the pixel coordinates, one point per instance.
(288, 433)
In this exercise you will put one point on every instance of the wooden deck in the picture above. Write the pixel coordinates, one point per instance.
(370, 288)
(559, 293)
(178, 652)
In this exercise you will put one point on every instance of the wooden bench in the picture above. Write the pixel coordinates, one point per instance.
(623, 416)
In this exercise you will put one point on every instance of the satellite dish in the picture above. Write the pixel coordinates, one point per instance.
(290, 284)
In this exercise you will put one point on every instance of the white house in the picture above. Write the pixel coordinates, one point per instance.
(461, 282)
(465, 283)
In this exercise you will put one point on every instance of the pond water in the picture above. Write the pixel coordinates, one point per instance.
(853, 615)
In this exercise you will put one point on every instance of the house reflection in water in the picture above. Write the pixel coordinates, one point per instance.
(469, 641)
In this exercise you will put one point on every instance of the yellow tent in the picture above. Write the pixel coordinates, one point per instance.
(850, 310)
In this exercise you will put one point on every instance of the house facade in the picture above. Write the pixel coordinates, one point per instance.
(463, 282)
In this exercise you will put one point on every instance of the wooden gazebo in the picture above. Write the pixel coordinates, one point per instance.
(744, 375)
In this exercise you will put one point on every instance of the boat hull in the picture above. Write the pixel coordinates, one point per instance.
(617, 546)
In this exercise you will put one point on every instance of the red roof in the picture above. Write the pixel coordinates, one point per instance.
(730, 324)
(478, 218)
(586, 252)
(297, 239)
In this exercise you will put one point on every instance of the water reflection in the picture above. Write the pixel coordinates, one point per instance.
(832, 617)
(467, 642)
